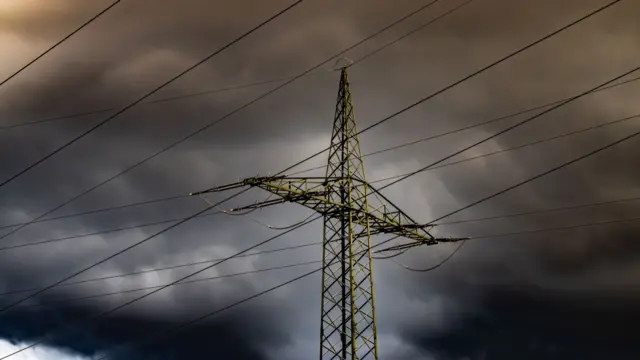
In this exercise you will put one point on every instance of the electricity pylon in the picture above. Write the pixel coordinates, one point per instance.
(353, 210)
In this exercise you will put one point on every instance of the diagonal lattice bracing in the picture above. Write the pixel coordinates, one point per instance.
(348, 320)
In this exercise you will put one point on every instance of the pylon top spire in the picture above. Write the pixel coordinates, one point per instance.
(342, 63)
(345, 158)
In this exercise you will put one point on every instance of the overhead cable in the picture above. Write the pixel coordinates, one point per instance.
(441, 263)
(155, 90)
(155, 337)
(261, 223)
(13, 304)
(395, 147)
(198, 213)
(553, 169)
(566, 227)
(163, 333)
(516, 125)
(206, 209)
(194, 281)
(90, 212)
(533, 143)
(243, 86)
(172, 267)
(455, 131)
(464, 79)
(537, 142)
(52, 47)
(126, 108)
(516, 233)
(209, 125)
(108, 312)
(535, 212)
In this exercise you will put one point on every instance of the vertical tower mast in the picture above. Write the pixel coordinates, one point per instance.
(348, 327)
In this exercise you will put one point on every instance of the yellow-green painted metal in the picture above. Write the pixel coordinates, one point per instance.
(348, 327)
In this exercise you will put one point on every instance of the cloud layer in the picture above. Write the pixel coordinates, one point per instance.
(558, 294)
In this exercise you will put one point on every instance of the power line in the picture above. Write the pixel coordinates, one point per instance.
(166, 229)
(106, 313)
(518, 124)
(108, 119)
(566, 227)
(151, 102)
(540, 211)
(97, 296)
(415, 30)
(48, 241)
(238, 193)
(316, 270)
(237, 87)
(369, 154)
(399, 146)
(124, 228)
(70, 237)
(39, 218)
(228, 307)
(493, 120)
(186, 324)
(532, 117)
(515, 233)
(117, 253)
(421, 8)
(511, 128)
(441, 263)
(556, 168)
(534, 212)
(537, 142)
(395, 147)
(90, 212)
(372, 182)
(121, 252)
(478, 72)
(17, 72)
(156, 336)
(94, 296)
(108, 277)
(513, 54)
(105, 121)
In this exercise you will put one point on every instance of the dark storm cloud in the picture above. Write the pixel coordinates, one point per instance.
(224, 337)
(533, 323)
(136, 47)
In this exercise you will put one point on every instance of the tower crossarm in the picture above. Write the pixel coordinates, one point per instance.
(382, 217)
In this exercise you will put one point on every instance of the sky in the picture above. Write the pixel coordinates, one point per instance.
(560, 294)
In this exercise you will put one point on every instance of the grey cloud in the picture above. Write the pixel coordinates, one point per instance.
(135, 47)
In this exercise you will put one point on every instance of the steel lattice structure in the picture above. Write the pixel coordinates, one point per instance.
(353, 210)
